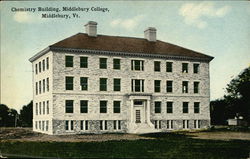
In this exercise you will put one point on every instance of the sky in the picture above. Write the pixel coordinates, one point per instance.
(217, 28)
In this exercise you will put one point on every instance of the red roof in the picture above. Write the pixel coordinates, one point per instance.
(126, 44)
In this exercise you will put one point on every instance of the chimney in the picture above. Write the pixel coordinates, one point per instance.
(150, 34)
(91, 28)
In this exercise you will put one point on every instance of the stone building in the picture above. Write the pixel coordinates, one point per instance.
(91, 83)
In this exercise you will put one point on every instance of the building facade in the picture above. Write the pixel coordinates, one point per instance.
(91, 83)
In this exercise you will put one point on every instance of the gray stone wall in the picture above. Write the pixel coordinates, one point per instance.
(58, 94)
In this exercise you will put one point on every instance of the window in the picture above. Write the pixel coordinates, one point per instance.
(47, 125)
(169, 107)
(103, 84)
(43, 85)
(103, 63)
(117, 64)
(184, 67)
(101, 126)
(44, 107)
(84, 106)
(69, 61)
(197, 124)
(196, 87)
(169, 66)
(157, 107)
(157, 86)
(84, 83)
(157, 124)
(137, 65)
(84, 125)
(69, 83)
(36, 108)
(117, 106)
(36, 69)
(117, 84)
(40, 67)
(196, 107)
(169, 86)
(157, 66)
(66, 125)
(47, 63)
(169, 124)
(117, 124)
(69, 105)
(36, 88)
(185, 87)
(105, 126)
(40, 87)
(43, 65)
(69, 125)
(40, 125)
(47, 107)
(36, 125)
(185, 124)
(47, 84)
(83, 62)
(103, 106)
(196, 68)
(137, 85)
(40, 108)
(43, 125)
(185, 107)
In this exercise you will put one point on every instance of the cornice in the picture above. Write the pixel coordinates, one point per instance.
(116, 53)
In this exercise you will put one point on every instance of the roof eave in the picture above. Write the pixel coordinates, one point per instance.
(39, 54)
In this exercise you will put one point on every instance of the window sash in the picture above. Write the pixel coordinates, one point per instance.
(47, 63)
(84, 106)
(196, 107)
(157, 107)
(117, 106)
(103, 63)
(157, 66)
(69, 106)
(185, 87)
(196, 87)
(137, 65)
(47, 107)
(69, 84)
(169, 67)
(36, 69)
(84, 83)
(185, 107)
(103, 106)
(69, 61)
(103, 84)
(43, 65)
(184, 67)
(116, 64)
(169, 86)
(157, 86)
(83, 62)
(117, 84)
(169, 107)
(196, 68)
(47, 84)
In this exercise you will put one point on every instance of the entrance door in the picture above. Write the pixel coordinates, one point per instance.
(138, 116)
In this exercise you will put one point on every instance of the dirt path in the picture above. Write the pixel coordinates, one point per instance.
(26, 134)
(221, 135)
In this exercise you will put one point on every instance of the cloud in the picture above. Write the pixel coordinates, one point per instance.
(128, 24)
(22, 17)
(194, 13)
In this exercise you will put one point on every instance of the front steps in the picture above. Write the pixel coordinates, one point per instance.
(142, 128)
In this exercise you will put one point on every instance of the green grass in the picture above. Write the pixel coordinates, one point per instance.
(170, 145)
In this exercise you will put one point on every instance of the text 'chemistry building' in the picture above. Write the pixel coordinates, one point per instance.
(91, 83)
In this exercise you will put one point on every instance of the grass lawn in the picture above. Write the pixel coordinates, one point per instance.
(171, 145)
